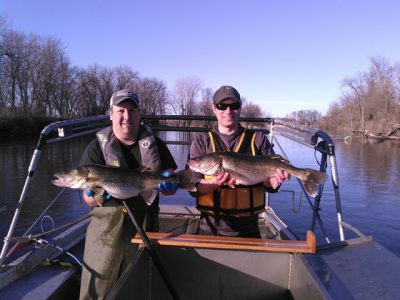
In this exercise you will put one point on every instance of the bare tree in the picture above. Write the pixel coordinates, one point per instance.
(396, 90)
(250, 109)
(106, 87)
(306, 117)
(204, 106)
(334, 119)
(382, 91)
(153, 96)
(12, 43)
(97, 84)
(126, 77)
(31, 73)
(88, 92)
(358, 89)
(65, 95)
(185, 95)
(370, 100)
(45, 78)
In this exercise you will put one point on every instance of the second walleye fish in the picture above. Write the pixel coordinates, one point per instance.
(249, 170)
(119, 183)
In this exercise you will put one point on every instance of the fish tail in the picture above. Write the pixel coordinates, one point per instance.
(185, 180)
(312, 180)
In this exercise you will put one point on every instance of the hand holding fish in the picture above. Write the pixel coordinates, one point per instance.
(167, 188)
(277, 179)
(216, 180)
(96, 196)
(210, 184)
(227, 179)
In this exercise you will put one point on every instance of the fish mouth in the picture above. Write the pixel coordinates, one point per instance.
(60, 182)
(63, 181)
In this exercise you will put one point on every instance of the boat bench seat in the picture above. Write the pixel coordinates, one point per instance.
(223, 242)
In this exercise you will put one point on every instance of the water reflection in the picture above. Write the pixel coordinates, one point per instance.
(15, 159)
(369, 175)
(179, 150)
(375, 166)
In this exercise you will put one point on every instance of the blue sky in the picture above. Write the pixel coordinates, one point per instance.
(282, 55)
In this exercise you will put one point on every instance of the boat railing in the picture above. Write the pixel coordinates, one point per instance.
(322, 143)
(52, 133)
(69, 129)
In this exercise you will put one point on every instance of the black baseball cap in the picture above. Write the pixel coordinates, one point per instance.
(226, 92)
(123, 95)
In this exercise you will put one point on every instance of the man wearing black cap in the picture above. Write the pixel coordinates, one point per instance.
(226, 211)
(126, 144)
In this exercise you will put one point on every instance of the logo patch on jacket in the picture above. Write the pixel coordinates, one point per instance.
(145, 144)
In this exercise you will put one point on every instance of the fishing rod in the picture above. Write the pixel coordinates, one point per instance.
(152, 252)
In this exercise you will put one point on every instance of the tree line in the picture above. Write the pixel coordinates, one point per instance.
(37, 79)
(369, 104)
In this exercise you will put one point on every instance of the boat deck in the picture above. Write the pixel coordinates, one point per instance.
(368, 270)
(355, 269)
(51, 281)
(185, 220)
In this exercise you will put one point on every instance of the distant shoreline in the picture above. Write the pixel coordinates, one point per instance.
(14, 128)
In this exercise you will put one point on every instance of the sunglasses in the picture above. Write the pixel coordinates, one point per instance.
(232, 106)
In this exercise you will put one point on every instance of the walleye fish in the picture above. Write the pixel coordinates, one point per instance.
(119, 183)
(249, 170)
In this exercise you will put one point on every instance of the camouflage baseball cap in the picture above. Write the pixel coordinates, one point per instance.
(123, 95)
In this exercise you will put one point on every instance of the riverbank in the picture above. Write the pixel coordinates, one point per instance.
(17, 127)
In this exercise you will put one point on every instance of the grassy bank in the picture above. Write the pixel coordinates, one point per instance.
(18, 127)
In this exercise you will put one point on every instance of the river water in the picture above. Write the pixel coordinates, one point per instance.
(369, 176)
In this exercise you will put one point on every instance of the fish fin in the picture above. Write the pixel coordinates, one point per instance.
(312, 181)
(146, 168)
(149, 195)
(185, 179)
(278, 157)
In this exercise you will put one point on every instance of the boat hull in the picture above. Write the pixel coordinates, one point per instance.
(199, 273)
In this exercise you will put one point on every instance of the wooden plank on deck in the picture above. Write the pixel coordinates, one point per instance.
(235, 243)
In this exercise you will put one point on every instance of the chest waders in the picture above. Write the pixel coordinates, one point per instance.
(108, 245)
